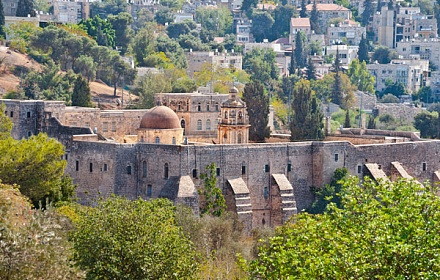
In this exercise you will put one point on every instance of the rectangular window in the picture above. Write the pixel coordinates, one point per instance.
(424, 166)
(149, 190)
(77, 165)
(243, 170)
(336, 157)
(105, 167)
(91, 167)
(359, 169)
(12, 114)
(267, 168)
(194, 173)
(266, 192)
(104, 126)
(28, 115)
(114, 126)
(129, 169)
(66, 157)
(289, 167)
(218, 171)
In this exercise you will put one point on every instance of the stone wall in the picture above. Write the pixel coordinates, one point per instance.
(401, 112)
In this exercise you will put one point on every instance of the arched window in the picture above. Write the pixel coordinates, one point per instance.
(199, 124)
(207, 107)
(199, 107)
(165, 171)
(174, 141)
(226, 114)
(239, 138)
(208, 124)
(182, 125)
(240, 115)
(157, 140)
(144, 169)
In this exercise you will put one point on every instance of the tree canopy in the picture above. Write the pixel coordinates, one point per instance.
(258, 109)
(383, 230)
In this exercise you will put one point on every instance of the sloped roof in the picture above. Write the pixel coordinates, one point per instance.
(300, 22)
(282, 182)
(326, 7)
(238, 186)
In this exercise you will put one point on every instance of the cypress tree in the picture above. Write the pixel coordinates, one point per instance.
(336, 94)
(2, 20)
(306, 121)
(25, 8)
(258, 109)
(314, 19)
(303, 12)
(363, 50)
(368, 12)
(299, 50)
(311, 71)
(81, 93)
(347, 122)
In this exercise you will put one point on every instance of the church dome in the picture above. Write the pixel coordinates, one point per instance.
(160, 117)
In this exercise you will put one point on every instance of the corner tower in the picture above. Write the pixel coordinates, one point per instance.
(233, 125)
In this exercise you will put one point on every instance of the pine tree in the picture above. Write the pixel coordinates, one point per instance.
(368, 12)
(379, 5)
(314, 19)
(363, 50)
(347, 122)
(337, 94)
(306, 121)
(258, 109)
(303, 12)
(25, 8)
(81, 93)
(299, 50)
(2, 20)
(311, 71)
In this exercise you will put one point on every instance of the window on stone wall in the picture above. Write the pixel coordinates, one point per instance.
(77, 165)
(129, 169)
(239, 138)
(199, 107)
(91, 167)
(289, 167)
(29, 134)
(216, 107)
(208, 124)
(267, 168)
(28, 115)
(359, 169)
(266, 192)
(11, 114)
(218, 171)
(243, 170)
(165, 171)
(194, 173)
(207, 107)
(105, 167)
(144, 169)
(336, 157)
(157, 140)
(174, 141)
(424, 166)
(114, 126)
(149, 190)
(104, 126)
(199, 124)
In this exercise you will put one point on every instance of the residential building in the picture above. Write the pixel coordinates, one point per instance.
(346, 53)
(196, 60)
(428, 49)
(328, 12)
(71, 12)
(348, 32)
(297, 25)
(412, 73)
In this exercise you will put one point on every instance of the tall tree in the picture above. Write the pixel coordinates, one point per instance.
(300, 54)
(81, 93)
(258, 109)
(307, 119)
(311, 70)
(25, 8)
(123, 33)
(260, 64)
(214, 203)
(2, 20)
(347, 121)
(337, 94)
(384, 55)
(363, 50)
(141, 241)
(281, 25)
(360, 76)
(314, 19)
(262, 23)
(368, 12)
(303, 12)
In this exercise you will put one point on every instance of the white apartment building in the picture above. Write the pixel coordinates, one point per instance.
(326, 12)
(71, 12)
(346, 53)
(216, 59)
(347, 31)
(428, 49)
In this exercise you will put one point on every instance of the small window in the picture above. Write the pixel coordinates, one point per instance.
(114, 126)
(199, 107)
(424, 166)
(11, 114)
(91, 167)
(359, 167)
(129, 169)
(77, 165)
(199, 124)
(29, 134)
(266, 192)
(105, 167)
(218, 171)
(207, 107)
(66, 157)
(174, 141)
(267, 168)
(144, 169)
(28, 115)
(165, 171)
(157, 140)
(243, 170)
(336, 157)
(289, 167)
(208, 124)
(194, 173)
(149, 190)
(104, 127)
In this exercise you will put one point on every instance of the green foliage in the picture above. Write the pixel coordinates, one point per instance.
(36, 165)
(25, 8)
(2, 21)
(258, 110)
(262, 22)
(397, 89)
(281, 25)
(216, 21)
(5, 124)
(163, 16)
(330, 193)
(81, 93)
(149, 84)
(299, 53)
(360, 76)
(107, 7)
(20, 35)
(306, 120)
(383, 55)
(121, 24)
(371, 122)
(86, 67)
(214, 202)
(368, 12)
(175, 29)
(260, 64)
(363, 50)
(427, 124)
(386, 230)
(314, 19)
(100, 30)
(347, 122)
(389, 98)
(124, 239)
(144, 44)
(424, 94)
(172, 50)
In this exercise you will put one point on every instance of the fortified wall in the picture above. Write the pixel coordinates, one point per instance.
(263, 183)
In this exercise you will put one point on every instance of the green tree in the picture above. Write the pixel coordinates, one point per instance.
(107, 7)
(25, 8)
(371, 123)
(424, 94)
(360, 76)
(337, 93)
(311, 70)
(81, 93)
(306, 120)
(303, 12)
(299, 53)
(144, 44)
(427, 124)
(368, 12)
(5, 123)
(260, 64)
(248, 5)
(172, 50)
(100, 30)
(396, 88)
(163, 16)
(363, 50)
(347, 122)
(35, 164)
(281, 25)
(219, 20)
(262, 23)
(214, 202)
(121, 23)
(383, 230)
(175, 29)
(258, 109)
(86, 67)
(389, 98)
(149, 84)
(138, 239)
(314, 19)
(383, 55)
(2, 21)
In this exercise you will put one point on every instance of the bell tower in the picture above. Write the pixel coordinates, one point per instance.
(233, 125)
